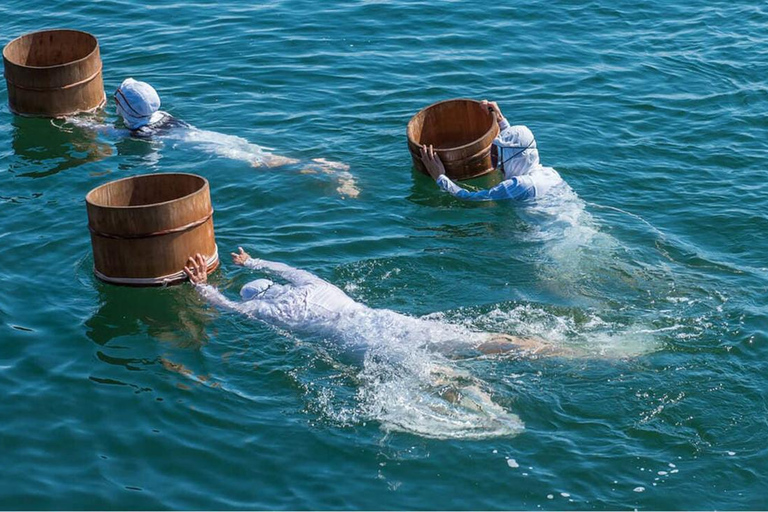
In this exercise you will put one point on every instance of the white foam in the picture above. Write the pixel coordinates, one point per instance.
(512, 463)
(595, 337)
(407, 384)
(639, 489)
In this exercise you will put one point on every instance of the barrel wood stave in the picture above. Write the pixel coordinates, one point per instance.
(53, 73)
(462, 133)
(146, 227)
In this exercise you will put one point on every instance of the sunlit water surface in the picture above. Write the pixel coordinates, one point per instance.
(648, 275)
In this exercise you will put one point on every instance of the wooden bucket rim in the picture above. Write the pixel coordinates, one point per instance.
(65, 64)
(205, 186)
(454, 148)
(212, 263)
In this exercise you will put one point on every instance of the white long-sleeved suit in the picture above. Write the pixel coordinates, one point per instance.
(312, 305)
(307, 302)
(524, 176)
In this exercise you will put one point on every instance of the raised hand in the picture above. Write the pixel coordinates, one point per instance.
(197, 269)
(239, 258)
(493, 107)
(432, 162)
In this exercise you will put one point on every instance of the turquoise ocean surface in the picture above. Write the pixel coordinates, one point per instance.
(652, 274)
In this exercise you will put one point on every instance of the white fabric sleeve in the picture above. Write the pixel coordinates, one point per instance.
(215, 297)
(260, 309)
(86, 123)
(293, 275)
(503, 124)
(515, 188)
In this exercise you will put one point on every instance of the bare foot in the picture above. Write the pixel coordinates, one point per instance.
(347, 187)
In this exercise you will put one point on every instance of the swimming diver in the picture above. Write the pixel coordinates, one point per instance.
(138, 104)
(514, 152)
(310, 304)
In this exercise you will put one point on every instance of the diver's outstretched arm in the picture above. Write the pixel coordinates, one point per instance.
(515, 188)
(197, 272)
(293, 275)
(255, 308)
(215, 297)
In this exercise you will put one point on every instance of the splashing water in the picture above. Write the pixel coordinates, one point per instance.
(412, 378)
(424, 394)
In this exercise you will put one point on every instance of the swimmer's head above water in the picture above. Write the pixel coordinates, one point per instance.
(137, 103)
(255, 288)
(514, 151)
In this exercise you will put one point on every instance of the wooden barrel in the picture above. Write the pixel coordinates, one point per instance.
(462, 132)
(144, 228)
(53, 73)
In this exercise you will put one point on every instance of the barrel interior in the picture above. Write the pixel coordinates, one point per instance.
(145, 190)
(50, 48)
(450, 124)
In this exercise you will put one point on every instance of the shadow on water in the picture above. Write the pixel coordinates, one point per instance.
(162, 314)
(43, 148)
(140, 318)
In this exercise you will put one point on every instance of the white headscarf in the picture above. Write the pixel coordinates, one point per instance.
(517, 151)
(255, 288)
(138, 103)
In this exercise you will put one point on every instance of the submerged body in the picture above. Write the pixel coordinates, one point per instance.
(138, 105)
(312, 305)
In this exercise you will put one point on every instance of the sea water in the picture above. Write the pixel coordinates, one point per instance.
(647, 273)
